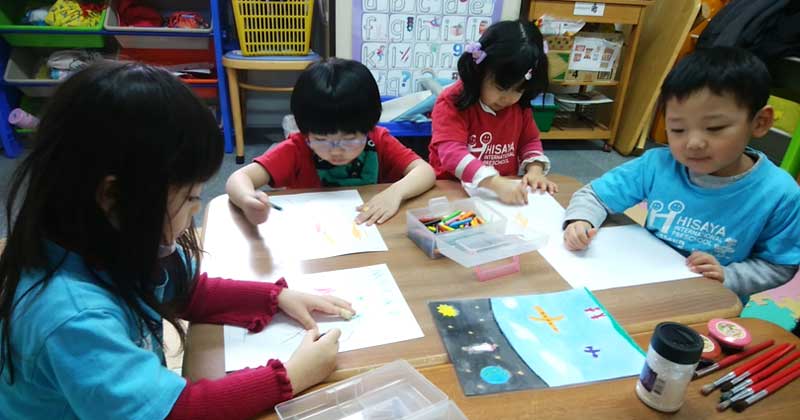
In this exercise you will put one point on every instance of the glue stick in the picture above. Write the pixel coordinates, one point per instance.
(671, 360)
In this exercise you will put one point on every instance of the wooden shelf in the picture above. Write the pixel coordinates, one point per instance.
(576, 127)
(569, 133)
(579, 83)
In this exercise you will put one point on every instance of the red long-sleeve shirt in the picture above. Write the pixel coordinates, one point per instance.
(248, 392)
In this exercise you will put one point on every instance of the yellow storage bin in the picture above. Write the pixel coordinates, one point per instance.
(273, 27)
(787, 114)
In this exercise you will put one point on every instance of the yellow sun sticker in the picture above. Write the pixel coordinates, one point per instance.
(447, 310)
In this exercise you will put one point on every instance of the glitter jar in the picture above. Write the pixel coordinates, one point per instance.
(671, 360)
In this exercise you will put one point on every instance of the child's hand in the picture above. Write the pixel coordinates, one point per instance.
(256, 207)
(705, 265)
(380, 208)
(538, 181)
(299, 306)
(578, 235)
(508, 190)
(314, 359)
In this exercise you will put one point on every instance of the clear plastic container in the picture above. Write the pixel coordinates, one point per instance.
(393, 391)
(474, 246)
(428, 241)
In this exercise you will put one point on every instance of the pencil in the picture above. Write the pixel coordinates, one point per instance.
(275, 206)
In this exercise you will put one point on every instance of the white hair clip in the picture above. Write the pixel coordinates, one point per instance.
(529, 74)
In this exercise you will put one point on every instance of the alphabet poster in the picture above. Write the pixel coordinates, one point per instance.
(405, 41)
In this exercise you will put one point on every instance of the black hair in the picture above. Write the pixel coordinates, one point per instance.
(336, 95)
(145, 128)
(512, 48)
(723, 70)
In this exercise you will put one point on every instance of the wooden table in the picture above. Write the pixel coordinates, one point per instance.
(615, 399)
(637, 308)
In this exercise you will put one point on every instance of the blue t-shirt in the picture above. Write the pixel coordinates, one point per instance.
(78, 352)
(755, 216)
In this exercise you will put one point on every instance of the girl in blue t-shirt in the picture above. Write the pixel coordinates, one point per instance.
(101, 249)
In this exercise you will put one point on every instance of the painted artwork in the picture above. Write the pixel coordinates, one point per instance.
(404, 41)
(325, 221)
(371, 290)
(534, 341)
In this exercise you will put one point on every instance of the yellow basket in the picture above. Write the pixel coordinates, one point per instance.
(273, 27)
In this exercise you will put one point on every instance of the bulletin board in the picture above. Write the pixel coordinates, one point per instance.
(405, 41)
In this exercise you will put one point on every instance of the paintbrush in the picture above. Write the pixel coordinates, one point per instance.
(760, 375)
(732, 375)
(749, 392)
(760, 364)
(786, 377)
(731, 360)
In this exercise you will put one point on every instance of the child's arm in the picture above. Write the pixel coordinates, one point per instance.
(418, 177)
(252, 304)
(584, 215)
(246, 393)
(744, 278)
(533, 164)
(242, 188)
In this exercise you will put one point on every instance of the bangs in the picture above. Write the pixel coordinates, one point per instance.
(336, 95)
(511, 73)
(347, 113)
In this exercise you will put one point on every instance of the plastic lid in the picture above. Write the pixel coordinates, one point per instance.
(476, 248)
(677, 343)
(711, 349)
(729, 333)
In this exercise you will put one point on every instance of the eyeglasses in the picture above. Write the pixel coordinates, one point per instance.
(328, 145)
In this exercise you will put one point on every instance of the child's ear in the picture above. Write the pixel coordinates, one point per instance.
(763, 120)
(106, 194)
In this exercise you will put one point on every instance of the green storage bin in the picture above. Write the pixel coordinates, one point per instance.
(544, 110)
(11, 13)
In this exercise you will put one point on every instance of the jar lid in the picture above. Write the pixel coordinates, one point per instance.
(711, 349)
(677, 343)
(729, 333)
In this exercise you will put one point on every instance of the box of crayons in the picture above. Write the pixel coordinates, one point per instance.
(470, 233)
(453, 219)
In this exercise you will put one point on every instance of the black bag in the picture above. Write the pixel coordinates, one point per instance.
(768, 28)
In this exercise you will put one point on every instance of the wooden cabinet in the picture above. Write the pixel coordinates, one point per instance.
(626, 12)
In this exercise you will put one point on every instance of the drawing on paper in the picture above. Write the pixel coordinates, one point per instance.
(544, 317)
(447, 310)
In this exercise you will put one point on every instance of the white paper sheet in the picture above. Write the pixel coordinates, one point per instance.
(321, 225)
(543, 213)
(382, 317)
(617, 257)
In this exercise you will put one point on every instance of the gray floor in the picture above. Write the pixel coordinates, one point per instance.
(583, 160)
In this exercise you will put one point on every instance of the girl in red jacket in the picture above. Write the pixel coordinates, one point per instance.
(483, 128)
